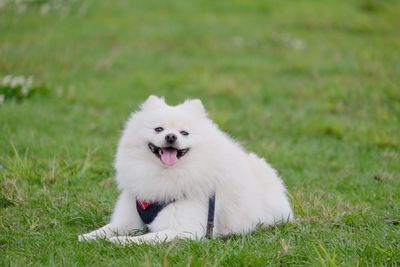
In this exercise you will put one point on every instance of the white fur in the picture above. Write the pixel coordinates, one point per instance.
(248, 190)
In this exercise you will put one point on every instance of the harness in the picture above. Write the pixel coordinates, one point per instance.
(148, 211)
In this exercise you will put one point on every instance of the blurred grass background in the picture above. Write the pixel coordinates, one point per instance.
(313, 86)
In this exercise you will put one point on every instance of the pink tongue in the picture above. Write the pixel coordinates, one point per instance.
(169, 156)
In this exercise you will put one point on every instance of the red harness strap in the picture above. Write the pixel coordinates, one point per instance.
(144, 204)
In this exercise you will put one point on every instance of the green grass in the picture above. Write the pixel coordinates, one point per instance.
(313, 86)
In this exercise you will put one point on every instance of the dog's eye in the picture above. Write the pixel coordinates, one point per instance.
(159, 129)
(184, 133)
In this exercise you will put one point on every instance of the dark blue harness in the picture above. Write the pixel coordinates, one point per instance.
(210, 217)
(149, 213)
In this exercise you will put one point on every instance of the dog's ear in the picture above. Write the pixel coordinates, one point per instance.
(195, 106)
(152, 102)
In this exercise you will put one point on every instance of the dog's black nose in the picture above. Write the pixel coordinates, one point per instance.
(170, 138)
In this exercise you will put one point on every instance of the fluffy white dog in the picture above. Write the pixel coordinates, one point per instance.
(171, 160)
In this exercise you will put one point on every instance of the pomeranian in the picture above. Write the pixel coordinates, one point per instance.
(180, 176)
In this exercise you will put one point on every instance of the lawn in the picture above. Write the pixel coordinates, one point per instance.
(313, 86)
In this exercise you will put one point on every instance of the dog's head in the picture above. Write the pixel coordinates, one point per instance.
(163, 133)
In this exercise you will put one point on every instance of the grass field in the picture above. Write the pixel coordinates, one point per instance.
(313, 86)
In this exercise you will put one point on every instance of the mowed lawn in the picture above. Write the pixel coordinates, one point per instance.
(312, 86)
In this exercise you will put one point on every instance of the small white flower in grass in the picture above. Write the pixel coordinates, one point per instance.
(7, 80)
(21, 86)
(17, 81)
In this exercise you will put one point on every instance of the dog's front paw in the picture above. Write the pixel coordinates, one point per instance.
(87, 237)
(121, 240)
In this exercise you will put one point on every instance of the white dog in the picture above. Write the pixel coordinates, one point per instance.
(171, 160)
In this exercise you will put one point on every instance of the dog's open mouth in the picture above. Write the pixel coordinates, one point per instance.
(168, 155)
